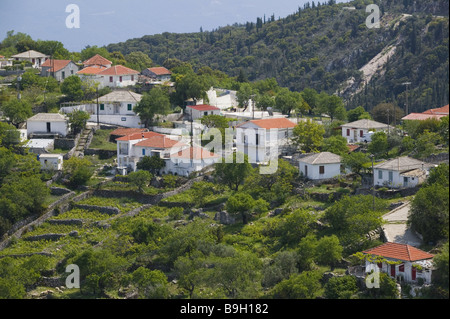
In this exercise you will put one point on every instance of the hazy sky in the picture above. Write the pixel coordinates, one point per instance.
(110, 21)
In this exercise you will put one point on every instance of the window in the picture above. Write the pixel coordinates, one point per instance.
(143, 152)
(257, 139)
(111, 79)
(348, 132)
(205, 113)
(71, 72)
(102, 107)
(391, 177)
(132, 78)
(361, 133)
(321, 170)
(401, 268)
(380, 174)
(120, 79)
(130, 107)
(63, 75)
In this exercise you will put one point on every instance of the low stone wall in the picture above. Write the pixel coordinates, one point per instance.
(44, 237)
(51, 282)
(102, 209)
(59, 191)
(28, 255)
(103, 154)
(77, 222)
(66, 143)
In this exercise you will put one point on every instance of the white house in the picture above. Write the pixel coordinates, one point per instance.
(354, 131)
(132, 148)
(48, 124)
(196, 112)
(51, 161)
(323, 165)
(35, 58)
(59, 69)
(5, 62)
(158, 73)
(189, 160)
(117, 108)
(223, 99)
(262, 139)
(117, 76)
(401, 172)
(400, 261)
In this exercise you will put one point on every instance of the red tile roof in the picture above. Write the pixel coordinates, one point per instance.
(439, 111)
(128, 131)
(92, 70)
(118, 70)
(55, 65)
(138, 136)
(159, 142)
(159, 70)
(422, 116)
(196, 153)
(204, 107)
(399, 251)
(273, 123)
(97, 60)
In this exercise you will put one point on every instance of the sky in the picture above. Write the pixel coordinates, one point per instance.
(110, 21)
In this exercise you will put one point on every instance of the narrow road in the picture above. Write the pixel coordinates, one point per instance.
(396, 230)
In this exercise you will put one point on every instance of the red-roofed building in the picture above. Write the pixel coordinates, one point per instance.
(437, 113)
(180, 158)
(264, 139)
(91, 70)
(196, 112)
(59, 69)
(158, 73)
(97, 61)
(118, 76)
(400, 260)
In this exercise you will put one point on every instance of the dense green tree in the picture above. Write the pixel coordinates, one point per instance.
(333, 106)
(306, 251)
(138, 61)
(231, 173)
(242, 204)
(72, 88)
(151, 163)
(156, 102)
(341, 287)
(305, 285)
(287, 101)
(388, 113)
(335, 144)
(379, 144)
(79, 170)
(89, 51)
(355, 161)
(295, 226)
(358, 114)
(308, 136)
(281, 267)
(430, 212)
(151, 284)
(441, 273)
(140, 179)
(245, 94)
(16, 111)
(328, 251)
(439, 175)
(78, 120)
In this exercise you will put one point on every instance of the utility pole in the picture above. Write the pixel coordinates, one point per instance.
(373, 183)
(98, 116)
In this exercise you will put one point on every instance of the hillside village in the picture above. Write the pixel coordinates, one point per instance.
(165, 182)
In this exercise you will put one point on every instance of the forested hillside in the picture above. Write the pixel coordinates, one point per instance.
(322, 46)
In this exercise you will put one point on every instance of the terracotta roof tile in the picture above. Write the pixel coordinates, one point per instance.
(97, 60)
(55, 65)
(159, 70)
(92, 70)
(399, 251)
(422, 116)
(159, 142)
(138, 136)
(118, 70)
(204, 107)
(439, 111)
(128, 131)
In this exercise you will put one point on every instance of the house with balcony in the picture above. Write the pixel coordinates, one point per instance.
(189, 160)
(262, 139)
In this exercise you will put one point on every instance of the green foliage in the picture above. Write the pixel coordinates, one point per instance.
(379, 144)
(335, 144)
(151, 284)
(151, 163)
(328, 250)
(308, 135)
(355, 161)
(439, 175)
(441, 273)
(79, 170)
(72, 88)
(78, 120)
(387, 113)
(387, 290)
(17, 111)
(305, 285)
(430, 212)
(341, 287)
(140, 179)
(155, 102)
(287, 101)
(240, 203)
(232, 173)
(294, 227)
(138, 61)
(358, 114)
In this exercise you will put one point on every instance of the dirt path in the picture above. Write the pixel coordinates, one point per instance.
(396, 230)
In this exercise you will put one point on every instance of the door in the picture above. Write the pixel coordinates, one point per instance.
(306, 170)
(49, 127)
(405, 181)
(392, 270)
(413, 273)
